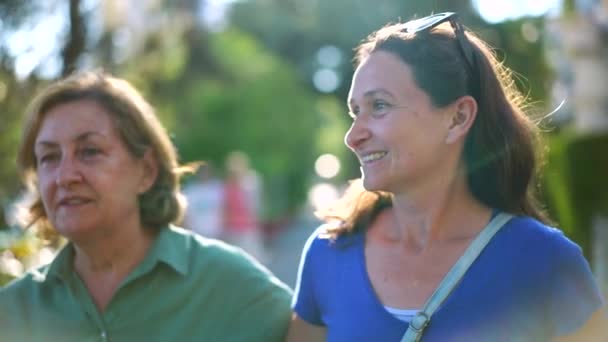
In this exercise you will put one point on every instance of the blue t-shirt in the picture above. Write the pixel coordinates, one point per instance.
(530, 283)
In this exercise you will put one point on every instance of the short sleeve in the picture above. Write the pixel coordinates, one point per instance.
(265, 312)
(575, 295)
(305, 302)
(257, 304)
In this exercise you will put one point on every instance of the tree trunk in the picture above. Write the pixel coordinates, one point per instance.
(76, 41)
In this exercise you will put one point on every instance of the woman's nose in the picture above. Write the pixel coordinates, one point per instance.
(68, 172)
(357, 134)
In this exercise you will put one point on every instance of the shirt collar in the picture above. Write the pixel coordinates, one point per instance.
(172, 247)
(61, 266)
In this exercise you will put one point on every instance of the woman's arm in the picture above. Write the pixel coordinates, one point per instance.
(595, 329)
(302, 331)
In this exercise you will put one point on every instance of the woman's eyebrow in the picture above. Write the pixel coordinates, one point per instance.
(80, 137)
(372, 93)
(378, 91)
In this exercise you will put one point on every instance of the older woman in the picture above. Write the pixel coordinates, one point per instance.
(104, 174)
(441, 239)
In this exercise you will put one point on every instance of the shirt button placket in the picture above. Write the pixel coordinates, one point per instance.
(104, 336)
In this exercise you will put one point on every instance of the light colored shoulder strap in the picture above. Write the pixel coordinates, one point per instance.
(449, 282)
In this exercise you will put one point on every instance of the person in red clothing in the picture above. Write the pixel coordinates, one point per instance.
(241, 199)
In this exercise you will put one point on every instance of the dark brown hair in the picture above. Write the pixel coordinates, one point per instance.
(499, 152)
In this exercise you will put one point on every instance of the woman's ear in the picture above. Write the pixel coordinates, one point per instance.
(150, 170)
(462, 115)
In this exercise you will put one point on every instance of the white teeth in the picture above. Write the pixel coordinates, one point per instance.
(372, 157)
(74, 201)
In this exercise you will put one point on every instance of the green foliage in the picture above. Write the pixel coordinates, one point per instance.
(258, 107)
(576, 184)
(519, 44)
(164, 58)
(246, 99)
(555, 185)
(334, 124)
(12, 97)
(296, 29)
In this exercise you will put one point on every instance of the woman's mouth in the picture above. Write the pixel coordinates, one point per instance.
(372, 157)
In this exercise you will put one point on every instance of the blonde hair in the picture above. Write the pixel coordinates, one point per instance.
(139, 128)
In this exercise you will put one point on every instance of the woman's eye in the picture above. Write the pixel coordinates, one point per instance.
(380, 105)
(89, 152)
(47, 158)
(380, 108)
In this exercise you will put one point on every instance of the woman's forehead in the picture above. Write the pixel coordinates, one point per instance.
(381, 73)
(75, 120)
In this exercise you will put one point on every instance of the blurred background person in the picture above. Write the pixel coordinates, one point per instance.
(242, 202)
(103, 173)
(205, 209)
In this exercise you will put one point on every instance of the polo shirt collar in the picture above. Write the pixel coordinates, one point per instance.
(171, 247)
(61, 266)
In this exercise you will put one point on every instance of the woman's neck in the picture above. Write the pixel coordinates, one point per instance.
(104, 262)
(114, 254)
(447, 212)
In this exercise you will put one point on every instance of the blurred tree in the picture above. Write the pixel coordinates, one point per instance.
(217, 92)
(520, 44)
(580, 50)
(15, 93)
(259, 108)
(226, 93)
(297, 29)
(12, 94)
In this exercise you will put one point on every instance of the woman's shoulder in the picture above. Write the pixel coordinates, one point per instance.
(561, 269)
(535, 240)
(216, 259)
(18, 285)
(532, 230)
(204, 249)
(25, 291)
(324, 239)
(41, 276)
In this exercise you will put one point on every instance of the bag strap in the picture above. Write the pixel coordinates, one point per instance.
(449, 282)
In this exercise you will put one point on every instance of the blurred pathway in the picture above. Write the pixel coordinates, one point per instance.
(287, 246)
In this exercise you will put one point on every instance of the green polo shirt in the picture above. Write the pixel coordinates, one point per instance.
(188, 288)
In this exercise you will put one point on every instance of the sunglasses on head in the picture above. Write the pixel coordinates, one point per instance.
(427, 23)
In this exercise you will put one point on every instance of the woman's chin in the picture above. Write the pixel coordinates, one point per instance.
(373, 184)
(75, 231)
